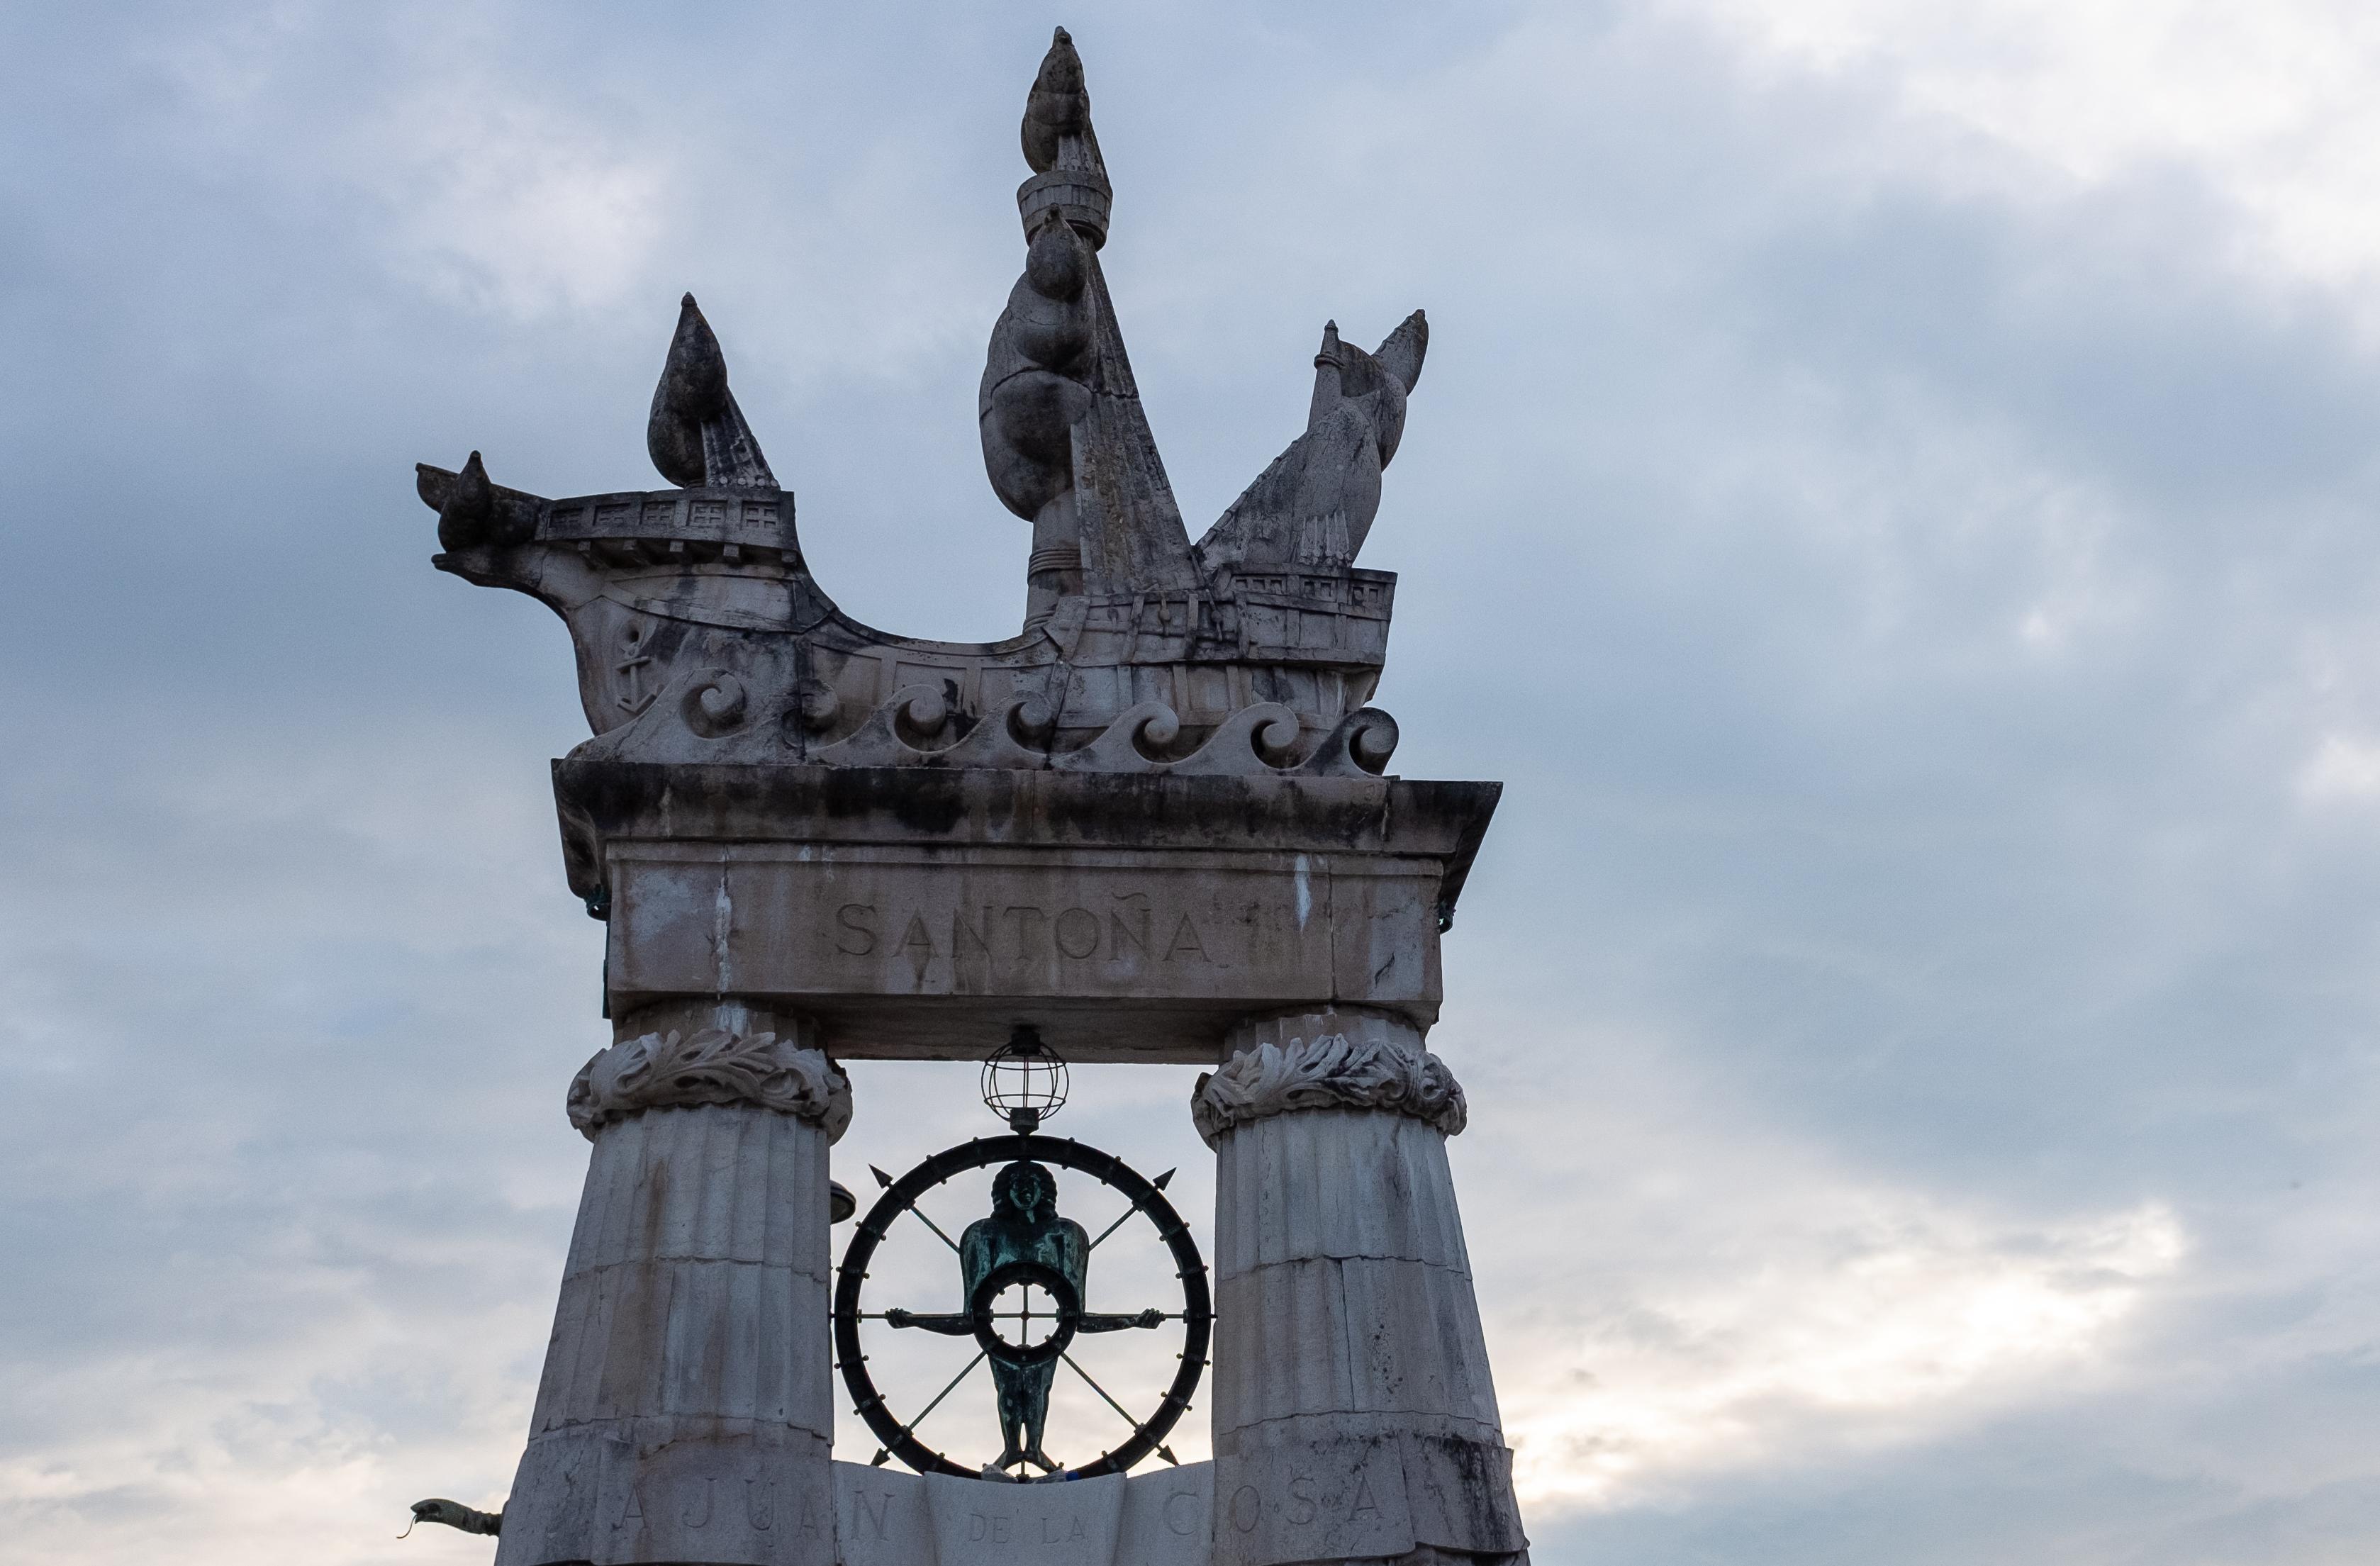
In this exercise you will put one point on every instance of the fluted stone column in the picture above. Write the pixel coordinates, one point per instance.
(685, 1412)
(1354, 1416)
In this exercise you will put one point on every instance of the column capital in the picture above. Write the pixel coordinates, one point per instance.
(711, 1065)
(1326, 1060)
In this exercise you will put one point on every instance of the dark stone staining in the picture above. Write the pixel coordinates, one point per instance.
(692, 389)
(474, 514)
(696, 434)
(1035, 384)
(468, 514)
(600, 800)
(1482, 1510)
(936, 811)
(1059, 108)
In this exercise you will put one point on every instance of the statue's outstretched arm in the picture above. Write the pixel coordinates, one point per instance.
(1088, 1322)
(958, 1326)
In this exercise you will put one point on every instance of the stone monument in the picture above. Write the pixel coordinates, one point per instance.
(1155, 824)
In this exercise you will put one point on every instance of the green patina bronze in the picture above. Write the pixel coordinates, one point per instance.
(1023, 1244)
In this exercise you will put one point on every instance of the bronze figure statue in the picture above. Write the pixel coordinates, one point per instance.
(1023, 1244)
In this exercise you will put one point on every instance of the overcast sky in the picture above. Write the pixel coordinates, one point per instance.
(1891, 496)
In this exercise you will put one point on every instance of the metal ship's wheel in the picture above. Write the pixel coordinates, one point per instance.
(984, 1318)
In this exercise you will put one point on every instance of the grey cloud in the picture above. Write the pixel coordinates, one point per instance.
(1745, 451)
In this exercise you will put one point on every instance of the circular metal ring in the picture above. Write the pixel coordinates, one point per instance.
(1197, 1304)
(1031, 1274)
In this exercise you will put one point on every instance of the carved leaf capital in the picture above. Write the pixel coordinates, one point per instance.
(1328, 1072)
(714, 1067)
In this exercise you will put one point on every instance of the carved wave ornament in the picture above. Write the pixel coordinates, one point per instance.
(713, 1066)
(916, 728)
(702, 636)
(1329, 1072)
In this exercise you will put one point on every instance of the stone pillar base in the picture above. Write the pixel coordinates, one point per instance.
(1355, 1419)
(685, 1410)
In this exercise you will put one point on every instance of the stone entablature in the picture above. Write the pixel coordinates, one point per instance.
(713, 1065)
(1126, 918)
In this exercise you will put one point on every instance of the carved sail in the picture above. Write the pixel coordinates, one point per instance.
(1131, 533)
(1313, 505)
(696, 433)
(1066, 442)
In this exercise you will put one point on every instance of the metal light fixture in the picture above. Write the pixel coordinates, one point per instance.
(1025, 1081)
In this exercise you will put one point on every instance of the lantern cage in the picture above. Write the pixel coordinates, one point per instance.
(1025, 1081)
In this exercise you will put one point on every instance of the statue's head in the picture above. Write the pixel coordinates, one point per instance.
(1025, 1189)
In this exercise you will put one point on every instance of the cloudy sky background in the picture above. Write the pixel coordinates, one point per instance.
(1891, 495)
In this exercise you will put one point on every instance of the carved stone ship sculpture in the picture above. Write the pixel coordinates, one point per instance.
(1153, 825)
(1252, 652)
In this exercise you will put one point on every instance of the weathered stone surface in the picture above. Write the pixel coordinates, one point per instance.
(1166, 1513)
(663, 1492)
(711, 1065)
(1341, 1489)
(1358, 1067)
(881, 1517)
(1314, 504)
(886, 1517)
(918, 913)
(685, 1410)
(696, 433)
(701, 635)
(1289, 1207)
(1354, 1414)
(984, 1523)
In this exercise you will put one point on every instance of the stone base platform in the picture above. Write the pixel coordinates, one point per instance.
(886, 1517)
